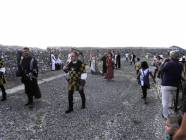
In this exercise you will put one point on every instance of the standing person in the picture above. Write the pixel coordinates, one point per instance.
(171, 73)
(53, 61)
(29, 76)
(2, 80)
(157, 64)
(127, 57)
(68, 62)
(133, 58)
(144, 79)
(94, 67)
(18, 56)
(137, 66)
(110, 72)
(183, 62)
(115, 60)
(75, 83)
(93, 64)
(104, 59)
(118, 61)
(58, 64)
(130, 58)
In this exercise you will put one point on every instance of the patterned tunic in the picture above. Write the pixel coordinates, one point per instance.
(75, 70)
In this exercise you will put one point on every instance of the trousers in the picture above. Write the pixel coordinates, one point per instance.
(3, 91)
(168, 92)
(70, 98)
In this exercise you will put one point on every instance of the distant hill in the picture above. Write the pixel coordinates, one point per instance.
(176, 48)
(4, 47)
(8, 48)
(183, 51)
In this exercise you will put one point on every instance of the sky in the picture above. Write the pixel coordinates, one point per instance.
(93, 23)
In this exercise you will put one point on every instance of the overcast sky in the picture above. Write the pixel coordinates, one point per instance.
(93, 23)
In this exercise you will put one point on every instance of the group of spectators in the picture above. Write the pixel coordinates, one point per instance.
(110, 61)
(130, 57)
(170, 71)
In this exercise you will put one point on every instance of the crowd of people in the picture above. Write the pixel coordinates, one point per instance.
(169, 70)
(110, 61)
(171, 73)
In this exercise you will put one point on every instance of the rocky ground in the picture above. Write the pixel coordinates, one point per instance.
(114, 111)
(12, 82)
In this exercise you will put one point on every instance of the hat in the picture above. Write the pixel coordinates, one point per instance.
(174, 54)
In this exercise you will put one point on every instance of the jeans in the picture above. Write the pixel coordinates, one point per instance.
(167, 94)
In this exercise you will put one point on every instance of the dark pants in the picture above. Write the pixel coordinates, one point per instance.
(28, 91)
(31, 89)
(104, 69)
(3, 91)
(144, 91)
(133, 61)
(70, 98)
(118, 64)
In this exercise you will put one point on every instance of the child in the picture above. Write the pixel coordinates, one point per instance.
(143, 76)
(171, 126)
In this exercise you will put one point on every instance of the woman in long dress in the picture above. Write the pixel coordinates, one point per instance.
(93, 65)
(110, 73)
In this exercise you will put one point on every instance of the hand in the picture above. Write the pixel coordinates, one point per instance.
(65, 67)
(179, 135)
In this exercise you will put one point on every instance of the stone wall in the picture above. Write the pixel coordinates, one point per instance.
(9, 56)
(8, 53)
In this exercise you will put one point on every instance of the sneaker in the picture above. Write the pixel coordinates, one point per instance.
(68, 111)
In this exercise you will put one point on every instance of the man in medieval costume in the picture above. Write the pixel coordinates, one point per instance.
(29, 76)
(75, 82)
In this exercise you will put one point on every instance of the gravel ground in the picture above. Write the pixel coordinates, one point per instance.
(114, 111)
(12, 82)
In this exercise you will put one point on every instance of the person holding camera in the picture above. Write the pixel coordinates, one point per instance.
(75, 83)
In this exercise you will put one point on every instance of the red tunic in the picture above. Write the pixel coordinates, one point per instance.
(109, 74)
